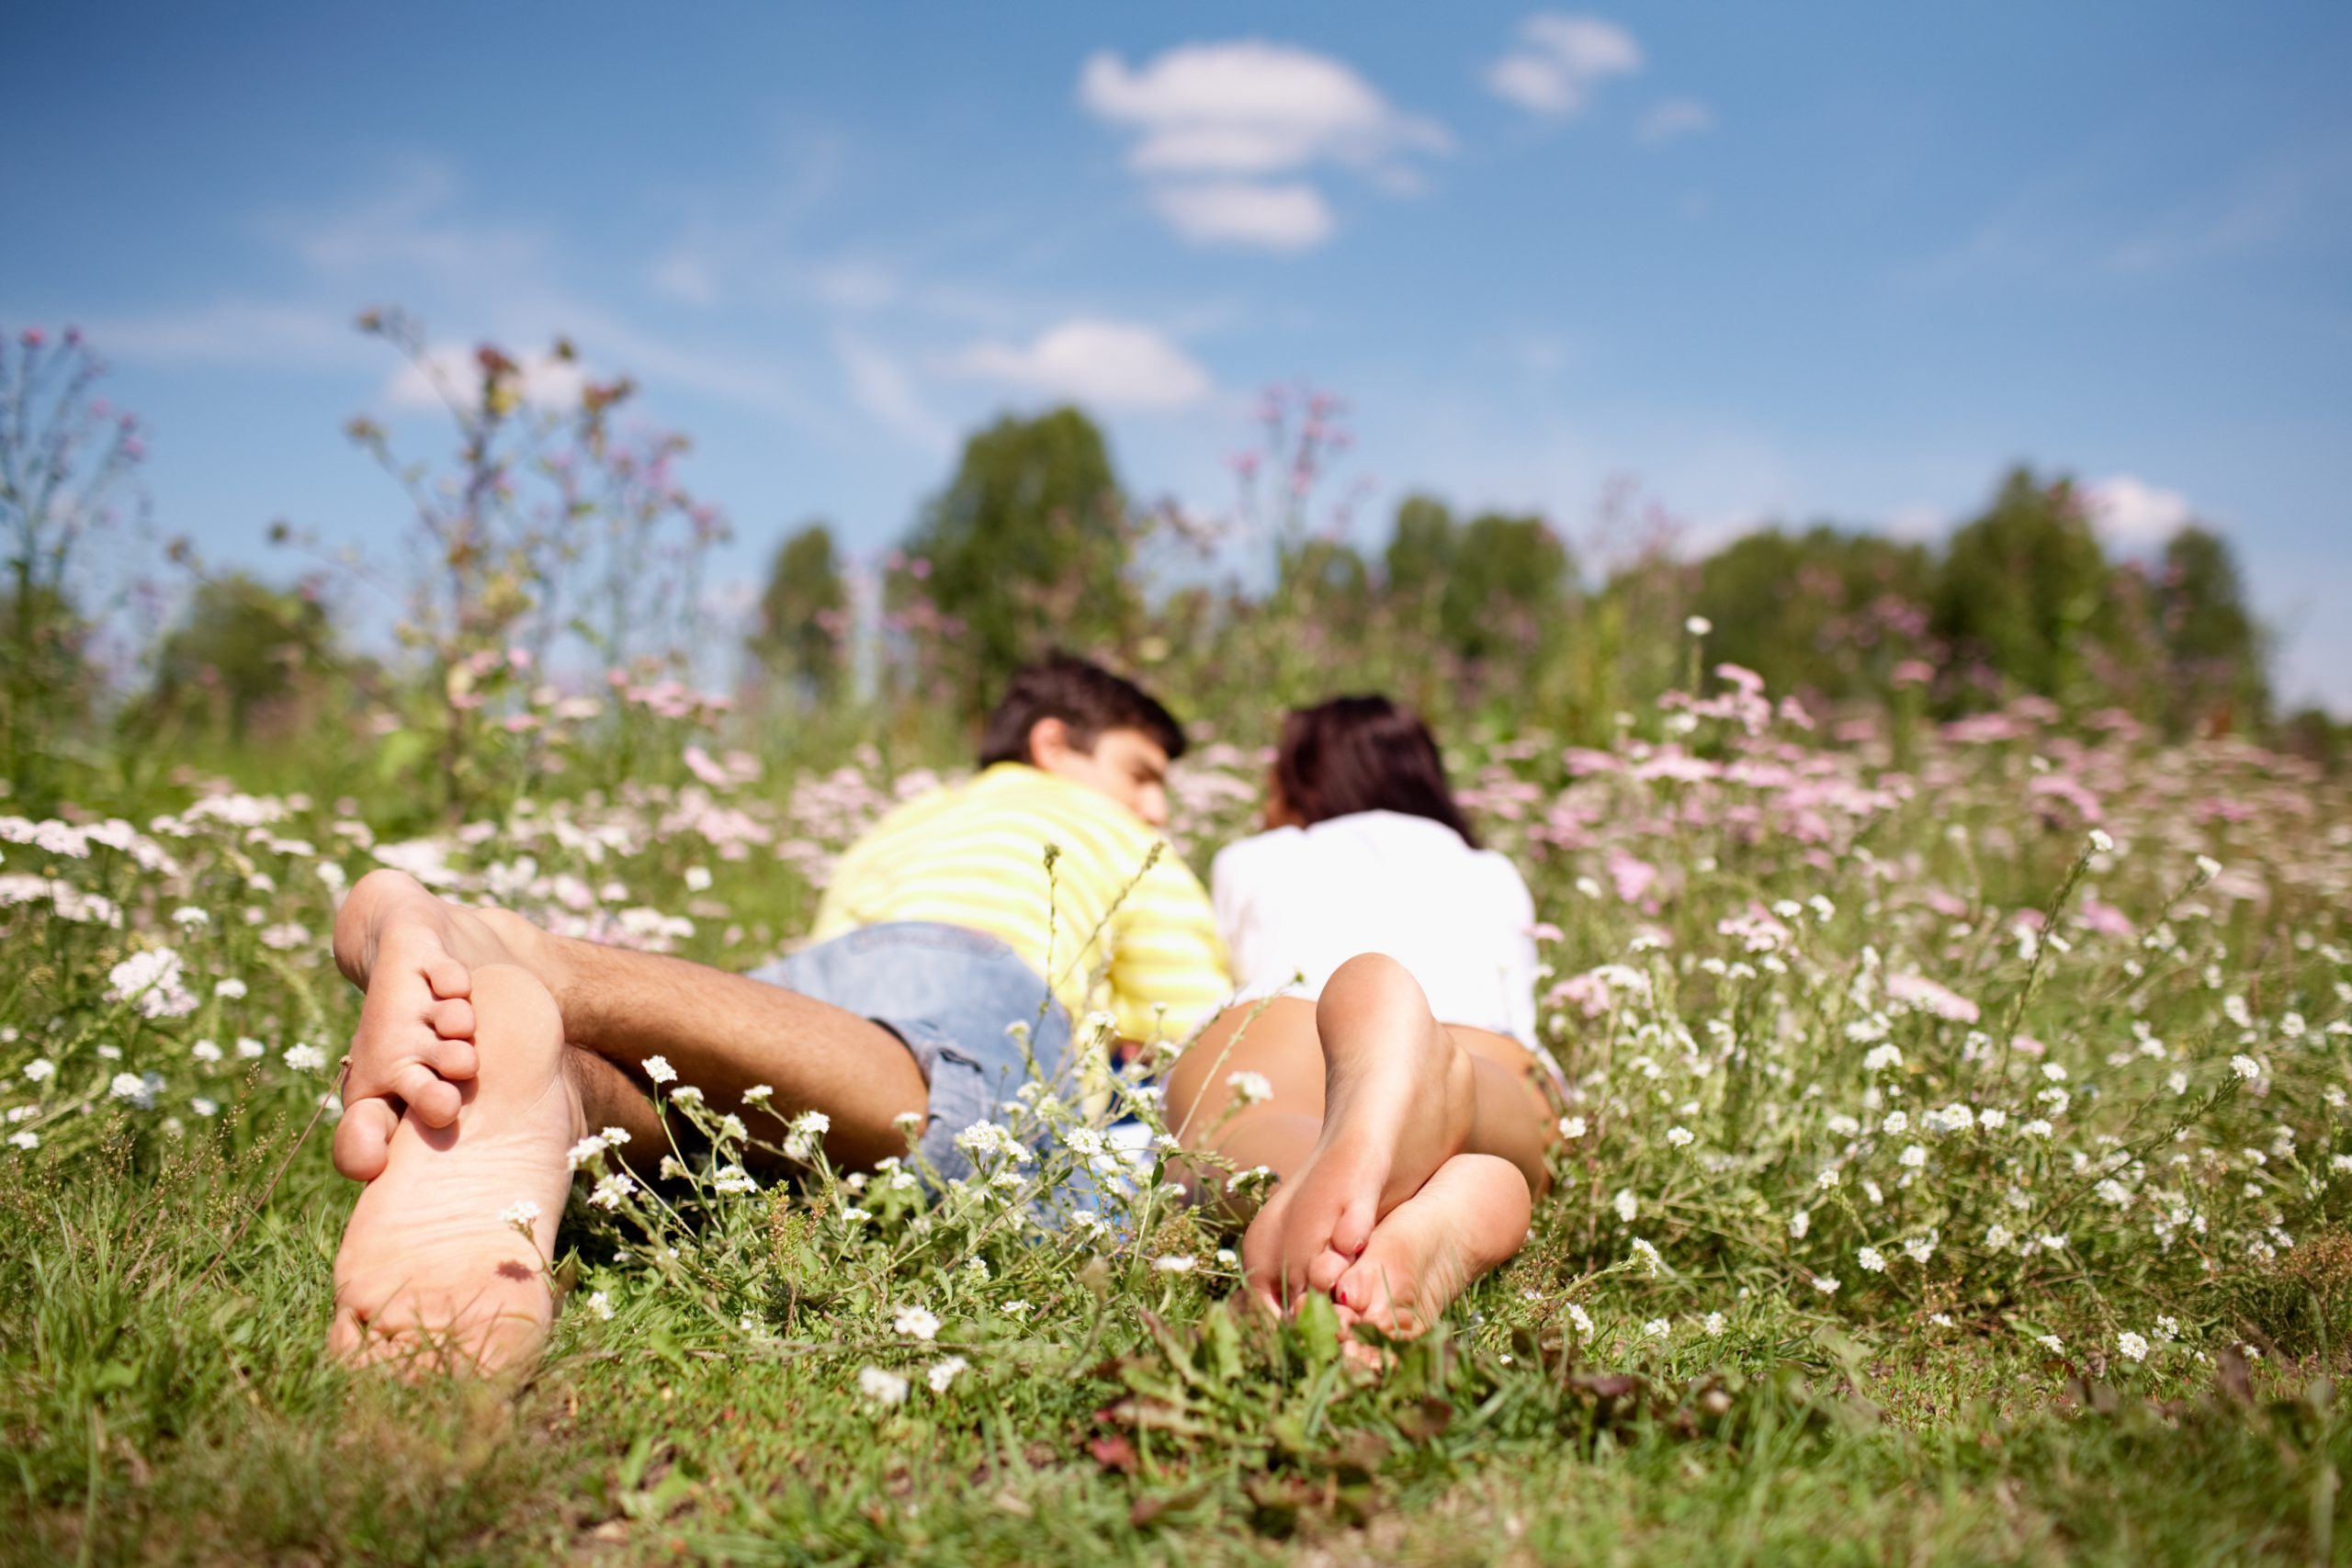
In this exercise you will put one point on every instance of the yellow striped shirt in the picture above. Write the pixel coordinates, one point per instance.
(1110, 934)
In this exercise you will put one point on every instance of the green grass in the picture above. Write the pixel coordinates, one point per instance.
(164, 1291)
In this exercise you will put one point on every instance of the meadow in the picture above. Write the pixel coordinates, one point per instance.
(1958, 1172)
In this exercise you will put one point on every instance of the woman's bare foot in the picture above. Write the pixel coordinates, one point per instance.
(1468, 1218)
(434, 1272)
(412, 953)
(1397, 1101)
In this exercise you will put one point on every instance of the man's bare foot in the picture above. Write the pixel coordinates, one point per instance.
(435, 1272)
(1470, 1217)
(1397, 1101)
(412, 953)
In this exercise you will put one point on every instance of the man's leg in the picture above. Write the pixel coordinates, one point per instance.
(413, 954)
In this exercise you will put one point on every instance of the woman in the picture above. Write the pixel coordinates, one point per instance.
(1382, 1062)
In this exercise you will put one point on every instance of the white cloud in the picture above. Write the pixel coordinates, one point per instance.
(1673, 118)
(881, 386)
(1222, 120)
(1252, 107)
(232, 332)
(1289, 216)
(1560, 60)
(2130, 511)
(1106, 364)
(404, 233)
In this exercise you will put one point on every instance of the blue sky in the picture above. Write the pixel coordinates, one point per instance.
(1771, 262)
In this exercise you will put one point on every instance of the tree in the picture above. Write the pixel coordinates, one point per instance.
(1025, 549)
(2023, 589)
(1507, 592)
(67, 466)
(242, 650)
(2213, 646)
(1826, 611)
(803, 633)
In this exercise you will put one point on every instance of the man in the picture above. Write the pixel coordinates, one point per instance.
(504, 1043)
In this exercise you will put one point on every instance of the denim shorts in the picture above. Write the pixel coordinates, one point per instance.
(953, 995)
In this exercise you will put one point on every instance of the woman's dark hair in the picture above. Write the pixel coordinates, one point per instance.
(1366, 753)
(1086, 697)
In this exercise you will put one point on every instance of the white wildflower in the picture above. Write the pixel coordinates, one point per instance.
(915, 1322)
(1250, 1088)
(2133, 1345)
(659, 1069)
(945, 1373)
(522, 1214)
(883, 1388)
(1873, 1260)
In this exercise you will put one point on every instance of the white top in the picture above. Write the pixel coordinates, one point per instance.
(1302, 901)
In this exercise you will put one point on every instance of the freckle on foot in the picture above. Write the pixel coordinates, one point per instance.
(432, 1275)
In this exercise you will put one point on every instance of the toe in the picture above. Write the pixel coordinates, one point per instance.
(454, 1059)
(1325, 1269)
(431, 1101)
(452, 1019)
(1353, 1228)
(447, 976)
(362, 1138)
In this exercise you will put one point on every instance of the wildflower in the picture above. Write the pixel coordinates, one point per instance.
(659, 1069)
(2101, 842)
(151, 978)
(230, 991)
(1895, 1124)
(1920, 1249)
(685, 1094)
(1713, 1325)
(139, 1091)
(1627, 1204)
(1572, 1128)
(305, 1058)
(1658, 1328)
(883, 1388)
(1882, 1058)
(2208, 868)
(189, 915)
(1227, 1258)
(1913, 1158)
(2246, 1066)
(522, 1214)
(759, 1094)
(1581, 1319)
(2037, 1128)
(1940, 1319)
(2133, 1345)
(205, 1051)
(1997, 1237)
(612, 1191)
(586, 1149)
(1678, 1136)
(2167, 1328)
(1176, 1263)
(1016, 1310)
(27, 1139)
(600, 1306)
(204, 1107)
(945, 1373)
(1992, 1118)
(733, 1179)
(1873, 1260)
(2051, 1343)
(40, 1069)
(1825, 1284)
(250, 1048)
(1800, 1223)
(917, 1323)
(1697, 626)
(1251, 1089)
(1648, 1254)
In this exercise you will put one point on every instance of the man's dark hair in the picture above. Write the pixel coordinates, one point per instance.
(1087, 698)
(1354, 754)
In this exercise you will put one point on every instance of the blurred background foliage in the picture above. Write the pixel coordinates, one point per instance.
(554, 589)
